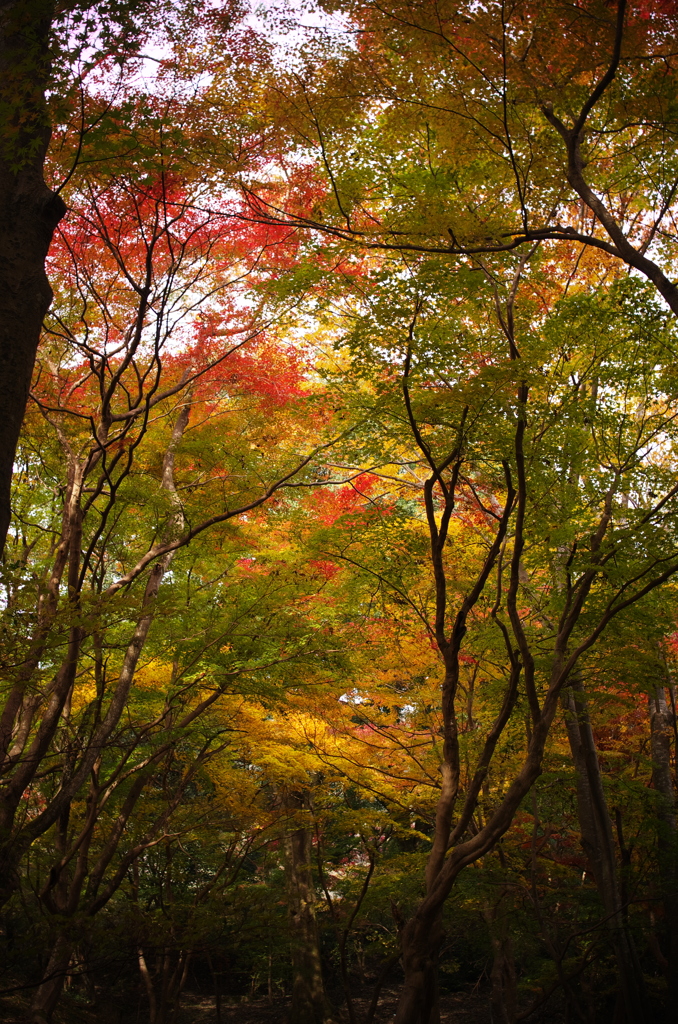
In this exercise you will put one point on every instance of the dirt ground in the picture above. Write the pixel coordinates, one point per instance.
(458, 1008)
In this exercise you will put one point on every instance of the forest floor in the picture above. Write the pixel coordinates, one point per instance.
(456, 1008)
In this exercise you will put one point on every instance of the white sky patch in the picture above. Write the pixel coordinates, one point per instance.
(353, 697)
(292, 27)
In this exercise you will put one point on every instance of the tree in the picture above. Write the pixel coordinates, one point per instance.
(498, 93)
(29, 211)
(139, 264)
(497, 127)
(554, 490)
(48, 52)
(404, 227)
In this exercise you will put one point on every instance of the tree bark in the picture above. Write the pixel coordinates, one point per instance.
(29, 213)
(598, 843)
(148, 985)
(661, 731)
(49, 991)
(503, 974)
(309, 1002)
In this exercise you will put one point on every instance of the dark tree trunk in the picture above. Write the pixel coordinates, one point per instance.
(309, 1002)
(421, 936)
(503, 994)
(420, 945)
(598, 844)
(661, 728)
(49, 991)
(29, 213)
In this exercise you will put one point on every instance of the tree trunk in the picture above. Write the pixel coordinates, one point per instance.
(598, 843)
(420, 943)
(309, 1002)
(172, 984)
(29, 213)
(148, 985)
(661, 730)
(13, 847)
(49, 991)
(421, 936)
(503, 974)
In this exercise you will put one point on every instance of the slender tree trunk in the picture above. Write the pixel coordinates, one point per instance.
(13, 847)
(182, 978)
(503, 974)
(173, 984)
(421, 942)
(216, 981)
(29, 213)
(309, 1002)
(49, 991)
(598, 843)
(60, 899)
(148, 985)
(378, 985)
(661, 730)
(422, 935)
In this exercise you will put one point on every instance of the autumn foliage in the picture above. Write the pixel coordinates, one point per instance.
(338, 623)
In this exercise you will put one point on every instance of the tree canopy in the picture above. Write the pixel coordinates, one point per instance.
(339, 474)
